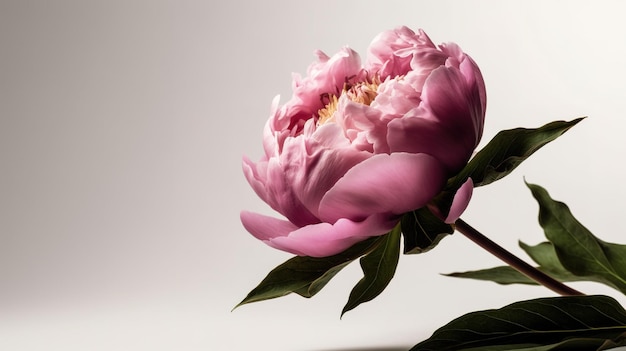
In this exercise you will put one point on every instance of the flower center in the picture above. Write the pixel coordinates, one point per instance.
(362, 92)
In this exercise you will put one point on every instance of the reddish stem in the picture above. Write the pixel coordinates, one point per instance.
(513, 261)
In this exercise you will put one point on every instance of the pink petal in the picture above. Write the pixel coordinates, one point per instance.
(391, 184)
(460, 201)
(397, 97)
(446, 95)
(363, 125)
(329, 136)
(255, 175)
(457, 107)
(264, 227)
(312, 175)
(270, 181)
(423, 134)
(476, 84)
(390, 53)
(325, 77)
(312, 166)
(380, 55)
(426, 60)
(324, 239)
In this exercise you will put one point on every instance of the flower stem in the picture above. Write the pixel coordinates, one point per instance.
(512, 260)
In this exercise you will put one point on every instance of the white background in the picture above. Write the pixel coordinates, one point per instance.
(123, 124)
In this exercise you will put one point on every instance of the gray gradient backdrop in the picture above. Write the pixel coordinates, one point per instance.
(123, 123)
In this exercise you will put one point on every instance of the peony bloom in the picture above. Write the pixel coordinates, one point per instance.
(359, 144)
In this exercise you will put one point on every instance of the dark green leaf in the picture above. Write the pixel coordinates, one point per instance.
(316, 286)
(579, 344)
(561, 323)
(544, 254)
(305, 275)
(578, 250)
(378, 266)
(573, 253)
(508, 149)
(502, 275)
(422, 231)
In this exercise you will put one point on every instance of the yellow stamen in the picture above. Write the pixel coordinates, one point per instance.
(362, 93)
(326, 114)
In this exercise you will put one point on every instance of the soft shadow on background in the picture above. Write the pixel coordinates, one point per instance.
(123, 124)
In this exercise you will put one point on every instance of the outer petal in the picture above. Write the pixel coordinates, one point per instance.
(460, 201)
(391, 184)
(255, 174)
(324, 239)
(476, 84)
(474, 81)
(264, 227)
(457, 108)
(272, 184)
(446, 94)
(317, 240)
(422, 134)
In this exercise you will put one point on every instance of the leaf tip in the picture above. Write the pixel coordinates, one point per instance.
(345, 309)
(533, 187)
(243, 302)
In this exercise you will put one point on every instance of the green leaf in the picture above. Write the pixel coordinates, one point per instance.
(543, 254)
(305, 275)
(573, 253)
(378, 267)
(504, 275)
(316, 286)
(508, 149)
(578, 250)
(561, 323)
(422, 231)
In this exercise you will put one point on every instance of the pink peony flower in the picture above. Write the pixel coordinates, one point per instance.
(359, 145)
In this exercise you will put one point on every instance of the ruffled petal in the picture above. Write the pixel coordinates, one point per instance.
(396, 97)
(255, 174)
(325, 77)
(391, 52)
(363, 125)
(391, 184)
(461, 200)
(425, 61)
(270, 180)
(312, 175)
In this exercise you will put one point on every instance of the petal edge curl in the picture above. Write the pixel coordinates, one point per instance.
(461, 201)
